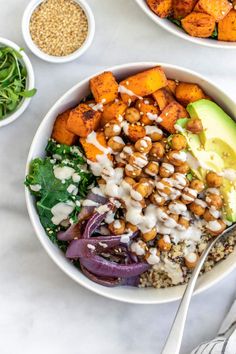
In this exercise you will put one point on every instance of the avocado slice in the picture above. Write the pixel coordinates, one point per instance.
(214, 148)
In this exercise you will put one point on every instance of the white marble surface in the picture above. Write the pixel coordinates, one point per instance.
(41, 309)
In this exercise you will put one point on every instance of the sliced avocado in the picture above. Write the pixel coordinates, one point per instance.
(214, 148)
(219, 134)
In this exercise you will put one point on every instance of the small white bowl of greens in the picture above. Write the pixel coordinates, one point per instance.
(16, 81)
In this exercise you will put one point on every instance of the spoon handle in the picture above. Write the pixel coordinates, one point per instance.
(174, 340)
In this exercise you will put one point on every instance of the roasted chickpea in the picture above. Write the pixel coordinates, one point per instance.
(213, 180)
(214, 200)
(152, 256)
(117, 227)
(157, 150)
(183, 222)
(164, 244)
(142, 176)
(197, 209)
(197, 184)
(130, 181)
(216, 227)
(143, 145)
(163, 187)
(152, 168)
(174, 216)
(127, 151)
(141, 190)
(179, 180)
(176, 158)
(116, 143)
(194, 125)
(184, 168)
(132, 115)
(132, 171)
(131, 227)
(191, 260)
(112, 129)
(208, 216)
(101, 181)
(188, 195)
(166, 170)
(154, 132)
(157, 199)
(178, 142)
(138, 159)
(150, 235)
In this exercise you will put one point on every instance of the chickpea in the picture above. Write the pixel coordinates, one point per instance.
(152, 168)
(179, 180)
(130, 181)
(117, 227)
(191, 260)
(174, 216)
(197, 209)
(154, 132)
(142, 176)
(208, 216)
(142, 188)
(216, 227)
(127, 151)
(166, 170)
(150, 235)
(116, 143)
(188, 195)
(197, 185)
(152, 256)
(145, 120)
(184, 168)
(132, 171)
(143, 145)
(101, 181)
(164, 244)
(214, 200)
(163, 187)
(157, 150)
(176, 158)
(213, 180)
(138, 159)
(157, 199)
(183, 222)
(178, 142)
(138, 247)
(131, 227)
(112, 129)
(165, 143)
(194, 125)
(132, 115)
(147, 180)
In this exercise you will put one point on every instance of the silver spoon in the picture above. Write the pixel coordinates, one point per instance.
(174, 339)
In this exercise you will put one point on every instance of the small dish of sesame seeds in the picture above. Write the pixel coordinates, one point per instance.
(58, 31)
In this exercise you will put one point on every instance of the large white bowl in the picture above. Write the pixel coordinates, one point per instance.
(172, 28)
(11, 117)
(70, 99)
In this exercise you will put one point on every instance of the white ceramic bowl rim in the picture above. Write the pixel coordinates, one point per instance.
(32, 5)
(125, 294)
(29, 83)
(172, 28)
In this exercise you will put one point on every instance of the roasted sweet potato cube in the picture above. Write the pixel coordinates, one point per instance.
(60, 133)
(198, 8)
(161, 8)
(136, 132)
(83, 120)
(216, 8)
(112, 111)
(91, 151)
(163, 97)
(227, 27)
(182, 8)
(187, 93)
(172, 85)
(199, 24)
(171, 114)
(142, 84)
(104, 87)
(147, 110)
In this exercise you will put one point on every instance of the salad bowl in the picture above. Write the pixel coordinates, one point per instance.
(70, 99)
(179, 32)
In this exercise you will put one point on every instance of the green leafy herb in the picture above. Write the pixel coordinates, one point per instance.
(50, 190)
(215, 33)
(13, 75)
(175, 21)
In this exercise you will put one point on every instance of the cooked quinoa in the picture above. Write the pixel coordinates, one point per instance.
(59, 27)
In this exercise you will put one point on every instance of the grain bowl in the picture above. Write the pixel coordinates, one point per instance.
(70, 99)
